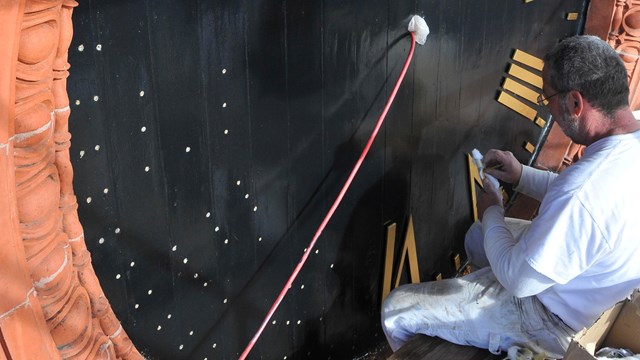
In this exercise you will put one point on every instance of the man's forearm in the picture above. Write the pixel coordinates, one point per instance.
(534, 182)
(507, 259)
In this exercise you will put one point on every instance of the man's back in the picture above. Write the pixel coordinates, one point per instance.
(586, 236)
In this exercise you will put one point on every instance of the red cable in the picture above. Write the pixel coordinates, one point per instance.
(345, 187)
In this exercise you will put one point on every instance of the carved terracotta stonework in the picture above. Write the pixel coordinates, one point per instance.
(51, 297)
(23, 331)
(618, 22)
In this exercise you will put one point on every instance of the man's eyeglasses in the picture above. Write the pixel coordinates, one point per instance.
(543, 100)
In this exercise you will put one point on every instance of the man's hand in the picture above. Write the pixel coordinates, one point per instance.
(509, 168)
(489, 197)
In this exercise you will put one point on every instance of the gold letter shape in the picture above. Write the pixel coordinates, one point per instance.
(409, 249)
(474, 177)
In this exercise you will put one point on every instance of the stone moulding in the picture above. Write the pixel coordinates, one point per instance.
(52, 305)
(618, 22)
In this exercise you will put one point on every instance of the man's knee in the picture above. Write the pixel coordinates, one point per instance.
(474, 246)
(396, 305)
(392, 314)
(391, 302)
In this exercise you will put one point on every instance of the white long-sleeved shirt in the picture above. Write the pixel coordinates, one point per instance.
(510, 267)
(579, 256)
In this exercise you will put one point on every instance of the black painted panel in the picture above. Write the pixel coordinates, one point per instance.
(226, 130)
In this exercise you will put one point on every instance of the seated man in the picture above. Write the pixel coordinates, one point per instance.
(539, 282)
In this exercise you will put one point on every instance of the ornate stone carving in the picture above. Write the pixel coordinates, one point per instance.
(65, 289)
(622, 27)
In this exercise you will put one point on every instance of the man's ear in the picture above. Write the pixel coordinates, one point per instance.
(575, 102)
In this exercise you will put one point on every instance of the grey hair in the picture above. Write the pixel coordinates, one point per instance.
(589, 65)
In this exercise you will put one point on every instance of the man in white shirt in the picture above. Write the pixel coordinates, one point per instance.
(539, 282)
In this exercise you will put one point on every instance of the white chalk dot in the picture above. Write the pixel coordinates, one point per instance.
(98, 47)
(117, 230)
(226, 131)
(255, 208)
(137, 306)
(146, 169)
(217, 228)
(224, 71)
(89, 200)
(133, 263)
(238, 182)
(149, 292)
(143, 129)
(273, 322)
(285, 357)
(180, 347)
(101, 241)
(191, 333)
(96, 98)
(118, 276)
(169, 316)
(214, 345)
(302, 287)
(226, 241)
(331, 266)
(225, 301)
(208, 214)
(81, 47)
(195, 276)
(159, 328)
(205, 284)
(305, 250)
(77, 102)
(260, 238)
(246, 196)
(317, 251)
(224, 105)
(288, 322)
(185, 260)
(298, 322)
(106, 190)
(81, 153)
(141, 93)
(174, 248)
(97, 148)
(187, 149)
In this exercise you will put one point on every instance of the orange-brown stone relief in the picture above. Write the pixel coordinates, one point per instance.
(618, 22)
(65, 291)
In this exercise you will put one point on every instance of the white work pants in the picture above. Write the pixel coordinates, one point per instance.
(474, 310)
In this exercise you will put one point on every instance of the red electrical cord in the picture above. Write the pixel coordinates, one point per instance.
(345, 187)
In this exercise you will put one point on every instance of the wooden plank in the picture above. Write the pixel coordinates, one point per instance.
(572, 16)
(528, 59)
(529, 147)
(520, 90)
(525, 75)
(540, 121)
(474, 178)
(409, 250)
(388, 263)
(517, 105)
(433, 348)
(457, 263)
